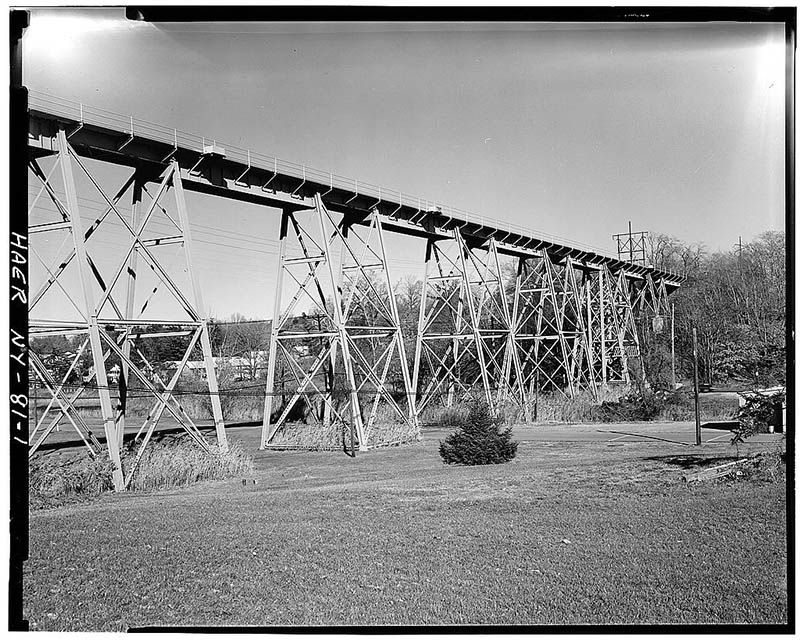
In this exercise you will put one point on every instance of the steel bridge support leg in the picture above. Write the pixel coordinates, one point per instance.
(603, 332)
(629, 301)
(205, 342)
(421, 326)
(130, 296)
(511, 362)
(617, 333)
(91, 313)
(409, 390)
(464, 314)
(558, 309)
(360, 322)
(273, 334)
(338, 316)
(443, 327)
(515, 344)
(302, 270)
(475, 320)
(582, 357)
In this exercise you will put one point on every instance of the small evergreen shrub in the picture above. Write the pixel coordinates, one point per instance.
(478, 440)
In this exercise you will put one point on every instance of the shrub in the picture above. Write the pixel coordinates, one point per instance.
(757, 414)
(635, 408)
(478, 440)
(765, 466)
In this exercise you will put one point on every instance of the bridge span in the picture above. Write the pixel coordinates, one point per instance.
(569, 319)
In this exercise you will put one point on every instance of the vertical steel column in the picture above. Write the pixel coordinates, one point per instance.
(205, 342)
(514, 341)
(511, 355)
(443, 287)
(459, 321)
(629, 322)
(618, 325)
(273, 334)
(531, 298)
(587, 285)
(474, 319)
(429, 248)
(355, 407)
(581, 348)
(603, 354)
(130, 296)
(303, 376)
(559, 320)
(410, 399)
(91, 312)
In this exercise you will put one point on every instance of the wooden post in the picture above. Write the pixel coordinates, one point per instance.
(697, 439)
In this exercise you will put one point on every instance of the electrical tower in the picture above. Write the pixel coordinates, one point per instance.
(632, 246)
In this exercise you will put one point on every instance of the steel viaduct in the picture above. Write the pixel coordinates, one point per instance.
(566, 321)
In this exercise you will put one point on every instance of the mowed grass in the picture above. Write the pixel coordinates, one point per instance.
(567, 533)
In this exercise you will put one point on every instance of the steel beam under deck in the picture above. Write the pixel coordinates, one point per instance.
(255, 178)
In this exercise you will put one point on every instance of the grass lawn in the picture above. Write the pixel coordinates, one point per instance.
(567, 533)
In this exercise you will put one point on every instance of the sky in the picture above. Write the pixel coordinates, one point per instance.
(572, 130)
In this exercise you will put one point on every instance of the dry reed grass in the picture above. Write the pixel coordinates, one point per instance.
(176, 461)
(55, 479)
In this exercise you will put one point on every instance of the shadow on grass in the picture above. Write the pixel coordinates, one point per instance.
(75, 441)
(647, 437)
(688, 462)
(724, 425)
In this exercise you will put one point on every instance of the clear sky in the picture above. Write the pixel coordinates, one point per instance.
(569, 129)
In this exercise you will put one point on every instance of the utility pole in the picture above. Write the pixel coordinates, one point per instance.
(697, 439)
(739, 255)
(672, 341)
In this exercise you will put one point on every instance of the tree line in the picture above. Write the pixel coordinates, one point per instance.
(736, 300)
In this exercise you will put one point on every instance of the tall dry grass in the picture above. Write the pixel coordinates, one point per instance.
(387, 428)
(336, 435)
(314, 437)
(174, 461)
(179, 462)
(57, 478)
(612, 404)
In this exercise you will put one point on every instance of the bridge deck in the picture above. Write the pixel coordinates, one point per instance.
(240, 174)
